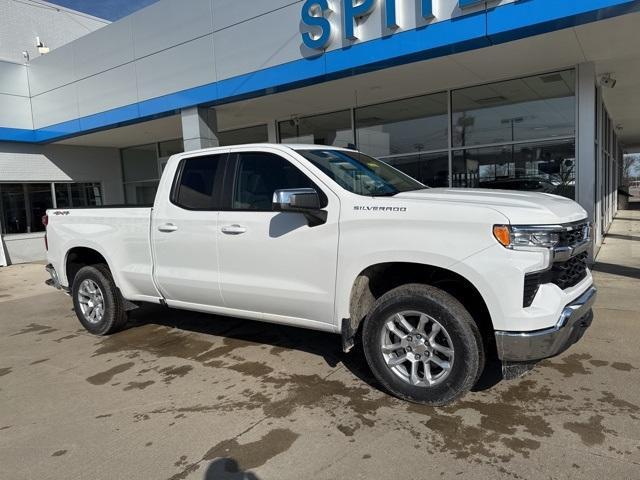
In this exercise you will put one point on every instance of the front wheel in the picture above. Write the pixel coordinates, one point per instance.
(422, 345)
(96, 300)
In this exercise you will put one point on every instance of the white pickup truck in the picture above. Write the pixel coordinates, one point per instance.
(433, 281)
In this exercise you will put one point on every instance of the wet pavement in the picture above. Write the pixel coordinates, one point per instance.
(180, 395)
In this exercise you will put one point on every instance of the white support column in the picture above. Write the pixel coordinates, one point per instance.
(586, 140)
(272, 131)
(199, 128)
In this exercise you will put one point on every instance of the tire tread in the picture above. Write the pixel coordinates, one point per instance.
(463, 321)
(115, 316)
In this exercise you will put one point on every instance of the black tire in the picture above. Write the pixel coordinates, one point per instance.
(114, 316)
(463, 332)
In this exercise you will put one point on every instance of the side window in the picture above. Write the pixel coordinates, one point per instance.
(196, 185)
(260, 174)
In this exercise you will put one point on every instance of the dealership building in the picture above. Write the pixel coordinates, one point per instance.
(539, 95)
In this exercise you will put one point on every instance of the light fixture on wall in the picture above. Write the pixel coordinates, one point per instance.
(25, 54)
(41, 47)
(607, 80)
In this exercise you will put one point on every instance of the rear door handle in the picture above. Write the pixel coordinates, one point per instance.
(234, 229)
(168, 227)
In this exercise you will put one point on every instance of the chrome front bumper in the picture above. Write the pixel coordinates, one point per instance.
(529, 346)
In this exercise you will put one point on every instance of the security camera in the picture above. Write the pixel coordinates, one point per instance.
(607, 80)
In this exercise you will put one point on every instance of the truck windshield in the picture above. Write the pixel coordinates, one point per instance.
(361, 174)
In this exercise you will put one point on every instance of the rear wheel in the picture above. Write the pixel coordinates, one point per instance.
(97, 301)
(423, 345)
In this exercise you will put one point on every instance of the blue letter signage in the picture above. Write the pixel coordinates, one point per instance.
(315, 12)
(316, 42)
(351, 13)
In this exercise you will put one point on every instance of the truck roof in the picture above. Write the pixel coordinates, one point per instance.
(278, 146)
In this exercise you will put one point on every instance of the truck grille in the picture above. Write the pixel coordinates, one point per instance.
(573, 235)
(532, 283)
(570, 273)
(565, 274)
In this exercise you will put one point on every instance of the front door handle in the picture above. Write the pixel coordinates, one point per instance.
(168, 227)
(234, 229)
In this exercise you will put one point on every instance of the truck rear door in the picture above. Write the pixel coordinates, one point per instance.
(184, 232)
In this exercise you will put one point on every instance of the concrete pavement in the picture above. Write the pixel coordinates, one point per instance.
(181, 395)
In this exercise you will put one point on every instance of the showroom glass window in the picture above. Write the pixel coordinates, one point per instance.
(516, 135)
(257, 134)
(70, 195)
(22, 205)
(547, 167)
(410, 134)
(333, 129)
(142, 167)
(170, 147)
(542, 106)
(141, 173)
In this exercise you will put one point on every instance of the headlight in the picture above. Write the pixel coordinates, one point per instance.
(526, 237)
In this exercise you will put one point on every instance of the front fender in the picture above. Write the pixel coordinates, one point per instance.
(348, 272)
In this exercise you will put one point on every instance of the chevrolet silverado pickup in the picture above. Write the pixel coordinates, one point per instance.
(429, 282)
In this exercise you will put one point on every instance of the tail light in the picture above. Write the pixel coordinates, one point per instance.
(45, 222)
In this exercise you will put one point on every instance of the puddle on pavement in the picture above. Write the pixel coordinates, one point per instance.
(105, 377)
(138, 385)
(591, 432)
(490, 427)
(66, 337)
(35, 328)
(624, 367)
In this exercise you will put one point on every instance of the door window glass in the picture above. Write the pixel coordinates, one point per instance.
(196, 189)
(259, 175)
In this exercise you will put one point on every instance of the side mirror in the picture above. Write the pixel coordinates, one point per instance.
(300, 200)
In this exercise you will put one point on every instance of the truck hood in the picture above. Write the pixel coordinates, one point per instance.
(521, 208)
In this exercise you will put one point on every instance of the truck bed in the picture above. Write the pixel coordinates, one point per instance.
(121, 234)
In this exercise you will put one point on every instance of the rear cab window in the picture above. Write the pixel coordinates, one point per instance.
(198, 182)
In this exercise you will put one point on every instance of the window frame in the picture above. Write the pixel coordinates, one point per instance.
(218, 183)
(231, 175)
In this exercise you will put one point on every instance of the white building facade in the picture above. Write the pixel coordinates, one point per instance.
(535, 95)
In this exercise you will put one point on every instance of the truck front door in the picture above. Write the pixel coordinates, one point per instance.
(273, 262)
